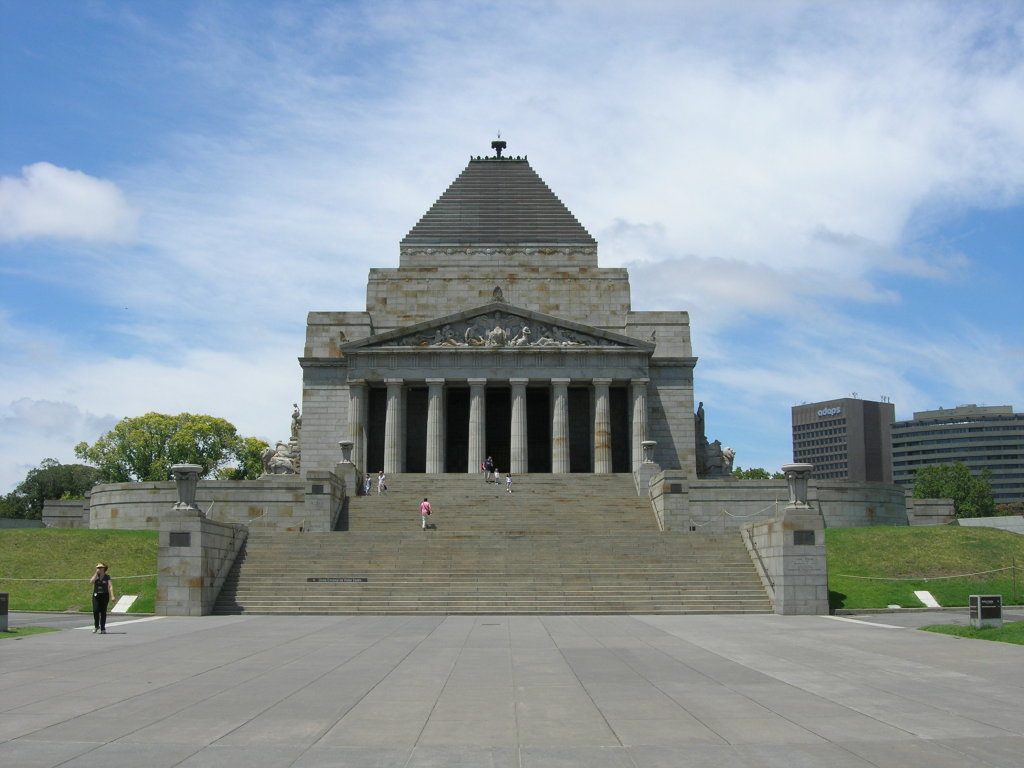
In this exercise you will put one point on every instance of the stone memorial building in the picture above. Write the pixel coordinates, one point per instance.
(498, 335)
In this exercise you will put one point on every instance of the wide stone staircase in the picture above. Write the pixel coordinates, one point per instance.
(558, 544)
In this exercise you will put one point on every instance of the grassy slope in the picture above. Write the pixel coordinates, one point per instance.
(928, 556)
(60, 562)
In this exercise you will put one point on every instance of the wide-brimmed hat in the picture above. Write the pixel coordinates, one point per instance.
(101, 565)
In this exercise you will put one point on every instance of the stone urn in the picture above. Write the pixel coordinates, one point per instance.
(648, 447)
(186, 478)
(797, 476)
(346, 451)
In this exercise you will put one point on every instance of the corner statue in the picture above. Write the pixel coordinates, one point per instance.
(712, 459)
(284, 458)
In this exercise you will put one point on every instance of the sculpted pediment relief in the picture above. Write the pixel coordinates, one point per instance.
(499, 325)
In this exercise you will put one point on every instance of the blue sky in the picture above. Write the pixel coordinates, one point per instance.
(834, 191)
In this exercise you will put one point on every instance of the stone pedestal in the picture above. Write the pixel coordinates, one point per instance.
(194, 556)
(789, 550)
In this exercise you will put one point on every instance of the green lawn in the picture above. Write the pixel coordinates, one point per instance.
(14, 633)
(48, 569)
(882, 566)
(1010, 632)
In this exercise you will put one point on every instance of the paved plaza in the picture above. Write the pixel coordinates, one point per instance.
(477, 691)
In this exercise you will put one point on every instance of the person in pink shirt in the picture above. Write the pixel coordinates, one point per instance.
(424, 511)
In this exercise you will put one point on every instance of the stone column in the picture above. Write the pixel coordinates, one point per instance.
(394, 427)
(435, 426)
(560, 427)
(602, 427)
(519, 450)
(357, 423)
(638, 391)
(477, 425)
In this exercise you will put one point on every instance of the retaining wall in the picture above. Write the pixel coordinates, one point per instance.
(277, 503)
(722, 504)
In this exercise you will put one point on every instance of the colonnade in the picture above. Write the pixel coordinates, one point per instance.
(395, 426)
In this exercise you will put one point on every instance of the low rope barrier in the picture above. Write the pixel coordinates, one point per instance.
(928, 578)
(753, 514)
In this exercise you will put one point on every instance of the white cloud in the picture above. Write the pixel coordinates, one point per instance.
(252, 390)
(37, 429)
(53, 202)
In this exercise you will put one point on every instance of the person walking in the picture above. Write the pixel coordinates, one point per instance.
(367, 484)
(102, 594)
(424, 512)
(489, 470)
(508, 482)
(382, 483)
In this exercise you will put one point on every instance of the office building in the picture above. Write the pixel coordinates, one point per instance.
(981, 437)
(845, 439)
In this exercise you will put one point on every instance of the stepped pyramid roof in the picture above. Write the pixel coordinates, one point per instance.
(498, 201)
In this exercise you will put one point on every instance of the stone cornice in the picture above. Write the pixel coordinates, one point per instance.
(673, 362)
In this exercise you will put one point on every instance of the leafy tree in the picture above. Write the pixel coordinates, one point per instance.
(50, 480)
(756, 473)
(145, 447)
(972, 496)
(249, 454)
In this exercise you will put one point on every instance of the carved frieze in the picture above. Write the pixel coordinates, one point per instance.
(498, 329)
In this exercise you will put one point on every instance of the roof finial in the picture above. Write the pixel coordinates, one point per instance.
(498, 145)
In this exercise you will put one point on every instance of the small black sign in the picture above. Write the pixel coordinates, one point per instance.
(803, 538)
(335, 579)
(986, 606)
(181, 539)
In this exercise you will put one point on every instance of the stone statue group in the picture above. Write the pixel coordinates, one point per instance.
(284, 459)
(712, 459)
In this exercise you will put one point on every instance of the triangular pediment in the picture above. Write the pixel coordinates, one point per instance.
(495, 326)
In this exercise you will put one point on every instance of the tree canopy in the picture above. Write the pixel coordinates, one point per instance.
(756, 473)
(50, 480)
(146, 447)
(972, 496)
(249, 455)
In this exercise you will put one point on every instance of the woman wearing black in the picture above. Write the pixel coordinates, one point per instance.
(102, 594)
